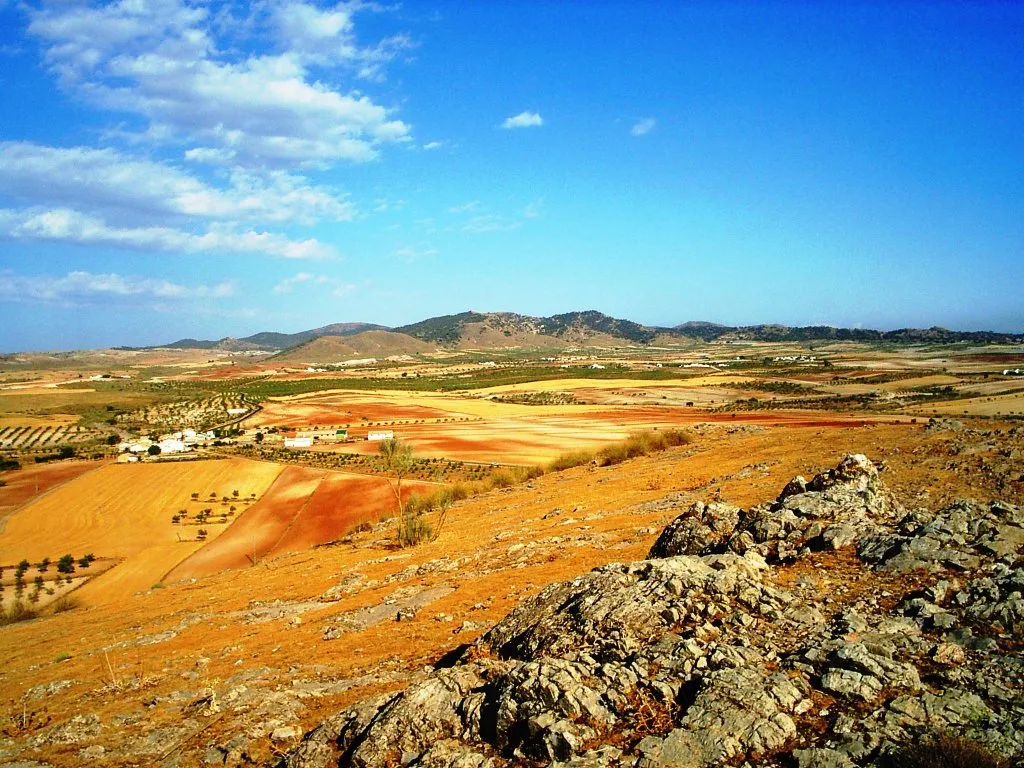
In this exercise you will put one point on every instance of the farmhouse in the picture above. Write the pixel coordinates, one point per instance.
(170, 445)
(382, 434)
(298, 442)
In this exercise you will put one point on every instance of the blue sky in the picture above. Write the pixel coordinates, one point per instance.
(172, 168)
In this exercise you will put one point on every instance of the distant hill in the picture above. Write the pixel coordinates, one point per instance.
(326, 350)
(271, 340)
(509, 330)
(771, 332)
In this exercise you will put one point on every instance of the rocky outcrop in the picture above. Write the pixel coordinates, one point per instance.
(703, 656)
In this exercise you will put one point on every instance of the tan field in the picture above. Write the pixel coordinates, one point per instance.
(124, 511)
(999, 405)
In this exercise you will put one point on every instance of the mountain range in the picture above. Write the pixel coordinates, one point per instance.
(502, 330)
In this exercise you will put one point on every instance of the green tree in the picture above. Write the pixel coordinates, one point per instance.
(66, 564)
(153, 450)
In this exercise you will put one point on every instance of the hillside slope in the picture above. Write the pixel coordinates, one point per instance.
(234, 668)
(367, 344)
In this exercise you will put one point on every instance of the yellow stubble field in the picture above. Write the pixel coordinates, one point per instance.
(124, 511)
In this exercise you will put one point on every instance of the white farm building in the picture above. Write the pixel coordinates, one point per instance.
(381, 434)
(298, 442)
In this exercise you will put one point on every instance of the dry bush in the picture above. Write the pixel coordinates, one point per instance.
(570, 460)
(944, 751)
(65, 603)
(17, 612)
(637, 444)
(414, 529)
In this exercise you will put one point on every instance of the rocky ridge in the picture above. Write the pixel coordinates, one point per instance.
(719, 649)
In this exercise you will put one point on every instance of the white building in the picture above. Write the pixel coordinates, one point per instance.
(382, 434)
(171, 445)
(237, 411)
(298, 442)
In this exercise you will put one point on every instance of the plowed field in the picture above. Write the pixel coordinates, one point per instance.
(303, 508)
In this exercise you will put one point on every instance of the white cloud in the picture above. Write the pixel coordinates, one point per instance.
(472, 205)
(325, 36)
(286, 285)
(65, 225)
(135, 191)
(533, 210)
(84, 287)
(490, 222)
(523, 120)
(343, 289)
(643, 126)
(432, 145)
(162, 60)
(410, 253)
(338, 288)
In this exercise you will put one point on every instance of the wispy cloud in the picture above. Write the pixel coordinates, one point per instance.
(466, 207)
(433, 145)
(490, 222)
(534, 209)
(414, 253)
(643, 127)
(289, 284)
(523, 120)
(86, 287)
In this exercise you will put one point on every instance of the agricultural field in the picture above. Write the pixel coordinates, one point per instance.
(39, 438)
(304, 508)
(33, 480)
(125, 512)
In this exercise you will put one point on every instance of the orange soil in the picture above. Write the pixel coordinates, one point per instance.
(310, 412)
(304, 507)
(25, 484)
(508, 543)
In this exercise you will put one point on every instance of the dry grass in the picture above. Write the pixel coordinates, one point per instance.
(945, 751)
(637, 444)
(17, 612)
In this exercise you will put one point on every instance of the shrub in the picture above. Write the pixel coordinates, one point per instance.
(65, 603)
(945, 751)
(66, 564)
(17, 612)
(570, 460)
(414, 529)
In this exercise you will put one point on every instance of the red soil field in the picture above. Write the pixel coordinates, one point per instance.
(23, 485)
(340, 503)
(310, 412)
(304, 507)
